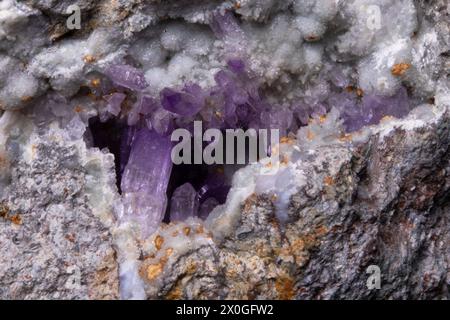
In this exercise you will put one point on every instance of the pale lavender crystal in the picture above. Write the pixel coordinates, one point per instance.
(380, 106)
(372, 109)
(224, 25)
(184, 203)
(145, 179)
(236, 65)
(233, 90)
(338, 78)
(126, 141)
(316, 94)
(127, 76)
(302, 113)
(144, 105)
(399, 104)
(206, 207)
(318, 110)
(114, 101)
(278, 118)
(161, 121)
(343, 101)
(185, 103)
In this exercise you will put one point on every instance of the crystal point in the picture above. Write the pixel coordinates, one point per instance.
(145, 180)
(127, 76)
(184, 203)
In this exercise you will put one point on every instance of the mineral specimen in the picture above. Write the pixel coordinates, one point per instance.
(127, 76)
(92, 206)
(184, 203)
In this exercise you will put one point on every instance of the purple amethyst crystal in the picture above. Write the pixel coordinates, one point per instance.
(338, 78)
(301, 113)
(127, 138)
(184, 203)
(127, 76)
(143, 106)
(398, 105)
(114, 102)
(277, 118)
(160, 121)
(380, 106)
(236, 100)
(224, 25)
(145, 180)
(371, 109)
(236, 65)
(185, 103)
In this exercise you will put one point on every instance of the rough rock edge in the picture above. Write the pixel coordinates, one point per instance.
(384, 202)
(55, 217)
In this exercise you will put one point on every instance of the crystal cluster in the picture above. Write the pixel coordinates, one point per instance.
(236, 100)
(77, 104)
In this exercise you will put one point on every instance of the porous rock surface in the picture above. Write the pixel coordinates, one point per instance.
(55, 239)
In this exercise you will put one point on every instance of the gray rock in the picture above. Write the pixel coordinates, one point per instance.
(55, 244)
(379, 197)
(382, 203)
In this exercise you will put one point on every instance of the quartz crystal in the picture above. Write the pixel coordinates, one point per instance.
(371, 109)
(235, 100)
(143, 107)
(188, 102)
(149, 103)
(215, 186)
(86, 175)
(206, 207)
(127, 76)
(145, 179)
(114, 102)
(184, 203)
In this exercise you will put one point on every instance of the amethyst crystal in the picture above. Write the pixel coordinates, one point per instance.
(127, 138)
(127, 76)
(357, 114)
(186, 103)
(184, 203)
(114, 102)
(145, 180)
(161, 121)
(397, 105)
(278, 118)
(226, 27)
(301, 114)
(236, 65)
(206, 207)
(338, 78)
(236, 100)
